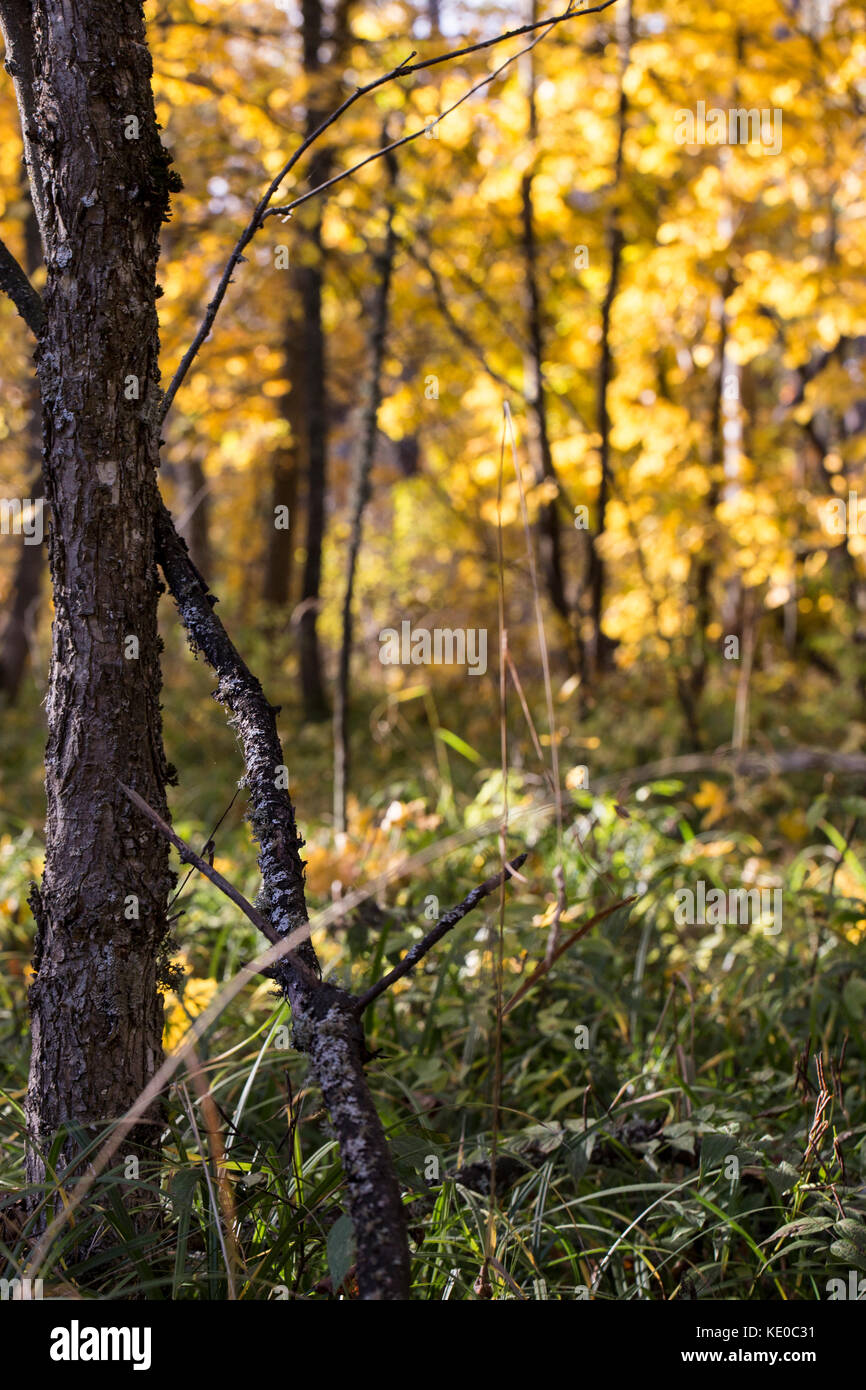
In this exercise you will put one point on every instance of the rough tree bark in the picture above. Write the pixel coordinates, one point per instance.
(100, 182)
(325, 1019)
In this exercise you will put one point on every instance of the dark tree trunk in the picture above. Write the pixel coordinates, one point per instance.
(277, 582)
(286, 463)
(99, 180)
(315, 701)
(366, 454)
(549, 530)
(309, 279)
(548, 527)
(194, 521)
(691, 684)
(20, 621)
(599, 647)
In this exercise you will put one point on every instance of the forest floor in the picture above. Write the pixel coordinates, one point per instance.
(682, 1105)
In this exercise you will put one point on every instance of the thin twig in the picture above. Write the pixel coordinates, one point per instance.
(262, 208)
(208, 844)
(448, 920)
(189, 856)
(289, 208)
(544, 967)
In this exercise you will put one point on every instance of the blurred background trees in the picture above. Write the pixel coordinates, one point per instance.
(677, 328)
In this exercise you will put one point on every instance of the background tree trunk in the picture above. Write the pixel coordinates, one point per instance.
(18, 627)
(548, 525)
(20, 618)
(361, 495)
(99, 180)
(310, 283)
(599, 648)
(286, 464)
(194, 520)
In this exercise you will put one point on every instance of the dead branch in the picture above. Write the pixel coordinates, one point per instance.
(14, 283)
(189, 856)
(751, 763)
(544, 967)
(446, 922)
(263, 208)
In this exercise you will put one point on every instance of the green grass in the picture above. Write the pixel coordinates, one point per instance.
(664, 1159)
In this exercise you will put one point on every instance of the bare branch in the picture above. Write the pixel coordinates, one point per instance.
(289, 208)
(544, 967)
(27, 300)
(262, 208)
(189, 856)
(272, 813)
(442, 927)
(749, 763)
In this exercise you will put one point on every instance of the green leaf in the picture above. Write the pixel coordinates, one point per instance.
(807, 1225)
(816, 811)
(459, 745)
(854, 1231)
(854, 997)
(715, 1149)
(848, 1254)
(182, 1189)
(341, 1250)
(565, 1099)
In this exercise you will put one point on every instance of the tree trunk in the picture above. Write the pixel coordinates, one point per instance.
(599, 647)
(366, 454)
(548, 527)
(286, 465)
(315, 701)
(20, 620)
(310, 281)
(194, 520)
(99, 180)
